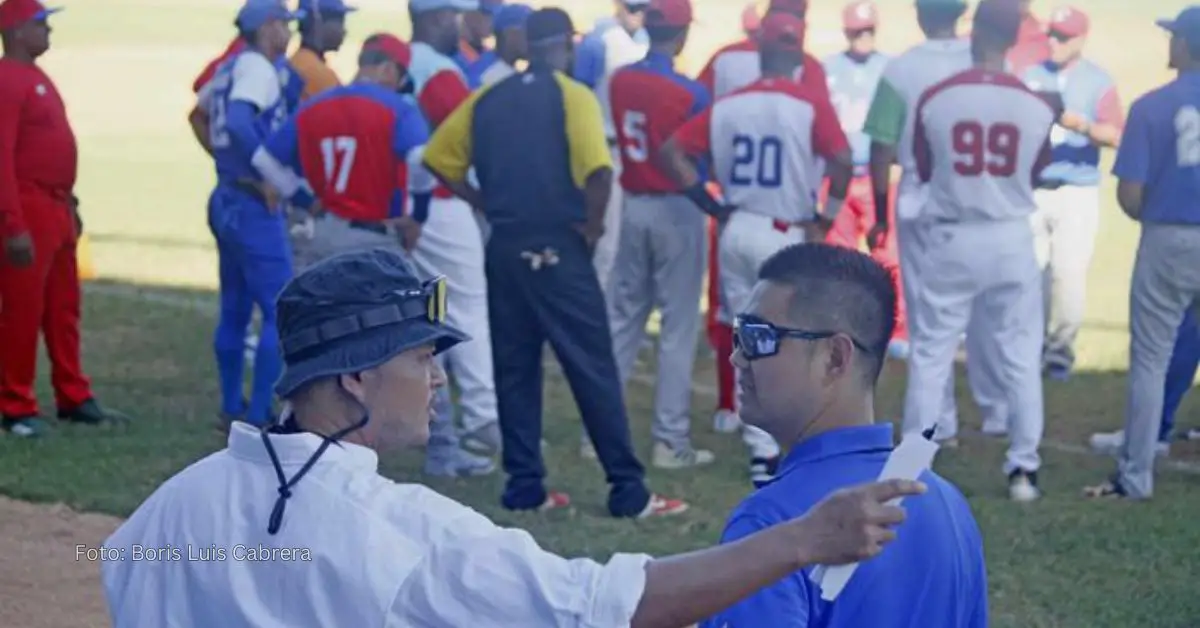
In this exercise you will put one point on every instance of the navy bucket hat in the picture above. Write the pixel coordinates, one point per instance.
(355, 311)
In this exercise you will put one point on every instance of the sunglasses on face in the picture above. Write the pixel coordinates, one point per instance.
(635, 8)
(757, 338)
(1059, 37)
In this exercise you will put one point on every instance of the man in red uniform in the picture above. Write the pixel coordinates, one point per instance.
(1033, 44)
(39, 228)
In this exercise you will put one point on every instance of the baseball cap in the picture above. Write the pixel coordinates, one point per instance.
(548, 25)
(795, 7)
(783, 31)
(1068, 22)
(511, 16)
(677, 13)
(255, 13)
(14, 13)
(1001, 17)
(424, 6)
(860, 15)
(355, 311)
(958, 4)
(390, 45)
(1185, 25)
(751, 20)
(327, 7)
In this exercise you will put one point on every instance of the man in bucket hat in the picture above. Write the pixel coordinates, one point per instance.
(238, 540)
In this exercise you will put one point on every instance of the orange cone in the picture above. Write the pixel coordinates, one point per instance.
(83, 259)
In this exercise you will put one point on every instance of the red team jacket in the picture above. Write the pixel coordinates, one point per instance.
(38, 154)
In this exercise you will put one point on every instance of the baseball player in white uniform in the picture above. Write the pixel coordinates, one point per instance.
(890, 124)
(980, 142)
(766, 142)
(614, 43)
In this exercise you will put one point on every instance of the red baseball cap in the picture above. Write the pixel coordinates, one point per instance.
(1001, 17)
(677, 13)
(796, 7)
(784, 31)
(1068, 22)
(390, 45)
(14, 13)
(751, 20)
(860, 15)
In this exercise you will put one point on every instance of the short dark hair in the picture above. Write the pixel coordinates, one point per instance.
(661, 34)
(940, 17)
(838, 289)
(369, 58)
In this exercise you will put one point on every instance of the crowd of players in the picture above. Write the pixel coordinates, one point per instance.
(775, 146)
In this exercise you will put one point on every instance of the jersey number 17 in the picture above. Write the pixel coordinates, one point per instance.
(337, 155)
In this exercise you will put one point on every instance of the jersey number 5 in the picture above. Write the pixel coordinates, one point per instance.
(337, 155)
(758, 162)
(636, 145)
(991, 149)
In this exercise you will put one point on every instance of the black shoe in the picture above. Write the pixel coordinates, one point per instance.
(1023, 486)
(92, 413)
(762, 470)
(28, 426)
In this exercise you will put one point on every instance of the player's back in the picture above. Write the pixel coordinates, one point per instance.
(764, 148)
(246, 76)
(1170, 144)
(345, 139)
(980, 140)
(650, 101)
(738, 65)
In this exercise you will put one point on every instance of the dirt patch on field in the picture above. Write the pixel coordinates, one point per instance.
(42, 583)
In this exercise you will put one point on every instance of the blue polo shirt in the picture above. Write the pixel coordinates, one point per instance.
(1088, 90)
(932, 576)
(1160, 149)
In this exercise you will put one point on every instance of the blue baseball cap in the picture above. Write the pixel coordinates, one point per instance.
(255, 13)
(424, 6)
(511, 16)
(326, 7)
(1185, 25)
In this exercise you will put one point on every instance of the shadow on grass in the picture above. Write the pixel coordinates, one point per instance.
(1061, 562)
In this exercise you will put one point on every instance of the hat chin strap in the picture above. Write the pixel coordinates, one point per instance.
(286, 485)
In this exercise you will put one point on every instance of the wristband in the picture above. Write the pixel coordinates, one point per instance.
(420, 208)
(699, 195)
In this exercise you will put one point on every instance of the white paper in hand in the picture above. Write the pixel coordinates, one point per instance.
(908, 461)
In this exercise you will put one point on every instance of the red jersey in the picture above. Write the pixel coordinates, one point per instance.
(649, 102)
(737, 65)
(1032, 47)
(38, 153)
(234, 47)
(440, 87)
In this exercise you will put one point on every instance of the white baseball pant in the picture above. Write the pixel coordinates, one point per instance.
(986, 271)
(745, 243)
(605, 255)
(451, 244)
(1066, 224)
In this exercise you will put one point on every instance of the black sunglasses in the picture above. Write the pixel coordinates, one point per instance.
(635, 8)
(1059, 37)
(756, 338)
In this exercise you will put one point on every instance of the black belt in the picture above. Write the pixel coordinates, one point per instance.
(366, 225)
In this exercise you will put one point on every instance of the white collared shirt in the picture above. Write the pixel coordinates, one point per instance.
(355, 549)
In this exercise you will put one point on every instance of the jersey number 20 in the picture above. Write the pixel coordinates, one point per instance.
(757, 162)
(991, 149)
(337, 155)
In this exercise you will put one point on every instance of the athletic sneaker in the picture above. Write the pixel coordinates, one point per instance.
(1058, 373)
(1110, 444)
(1023, 486)
(726, 422)
(484, 441)
(25, 426)
(455, 462)
(660, 506)
(762, 470)
(667, 458)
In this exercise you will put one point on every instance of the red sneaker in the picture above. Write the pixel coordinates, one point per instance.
(660, 506)
(555, 500)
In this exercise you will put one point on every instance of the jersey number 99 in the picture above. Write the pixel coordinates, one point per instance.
(991, 149)
(757, 162)
(337, 155)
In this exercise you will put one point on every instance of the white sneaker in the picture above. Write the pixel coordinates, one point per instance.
(1022, 486)
(726, 422)
(667, 458)
(1110, 444)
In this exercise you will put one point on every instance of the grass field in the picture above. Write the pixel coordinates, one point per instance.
(124, 67)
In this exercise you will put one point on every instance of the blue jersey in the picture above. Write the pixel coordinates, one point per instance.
(355, 146)
(852, 84)
(1160, 149)
(932, 575)
(1086, 90)
(246, 99)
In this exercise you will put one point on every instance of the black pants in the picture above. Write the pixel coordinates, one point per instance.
(559, 302)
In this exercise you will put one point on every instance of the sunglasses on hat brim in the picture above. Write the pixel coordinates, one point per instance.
(757, 338)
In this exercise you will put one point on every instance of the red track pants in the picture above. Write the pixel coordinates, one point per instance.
(42, 298)
(851, 227)
(720, 334)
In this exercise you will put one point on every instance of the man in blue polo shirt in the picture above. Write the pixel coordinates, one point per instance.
(1158, 168)
(1068, 217)
(809, 350)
